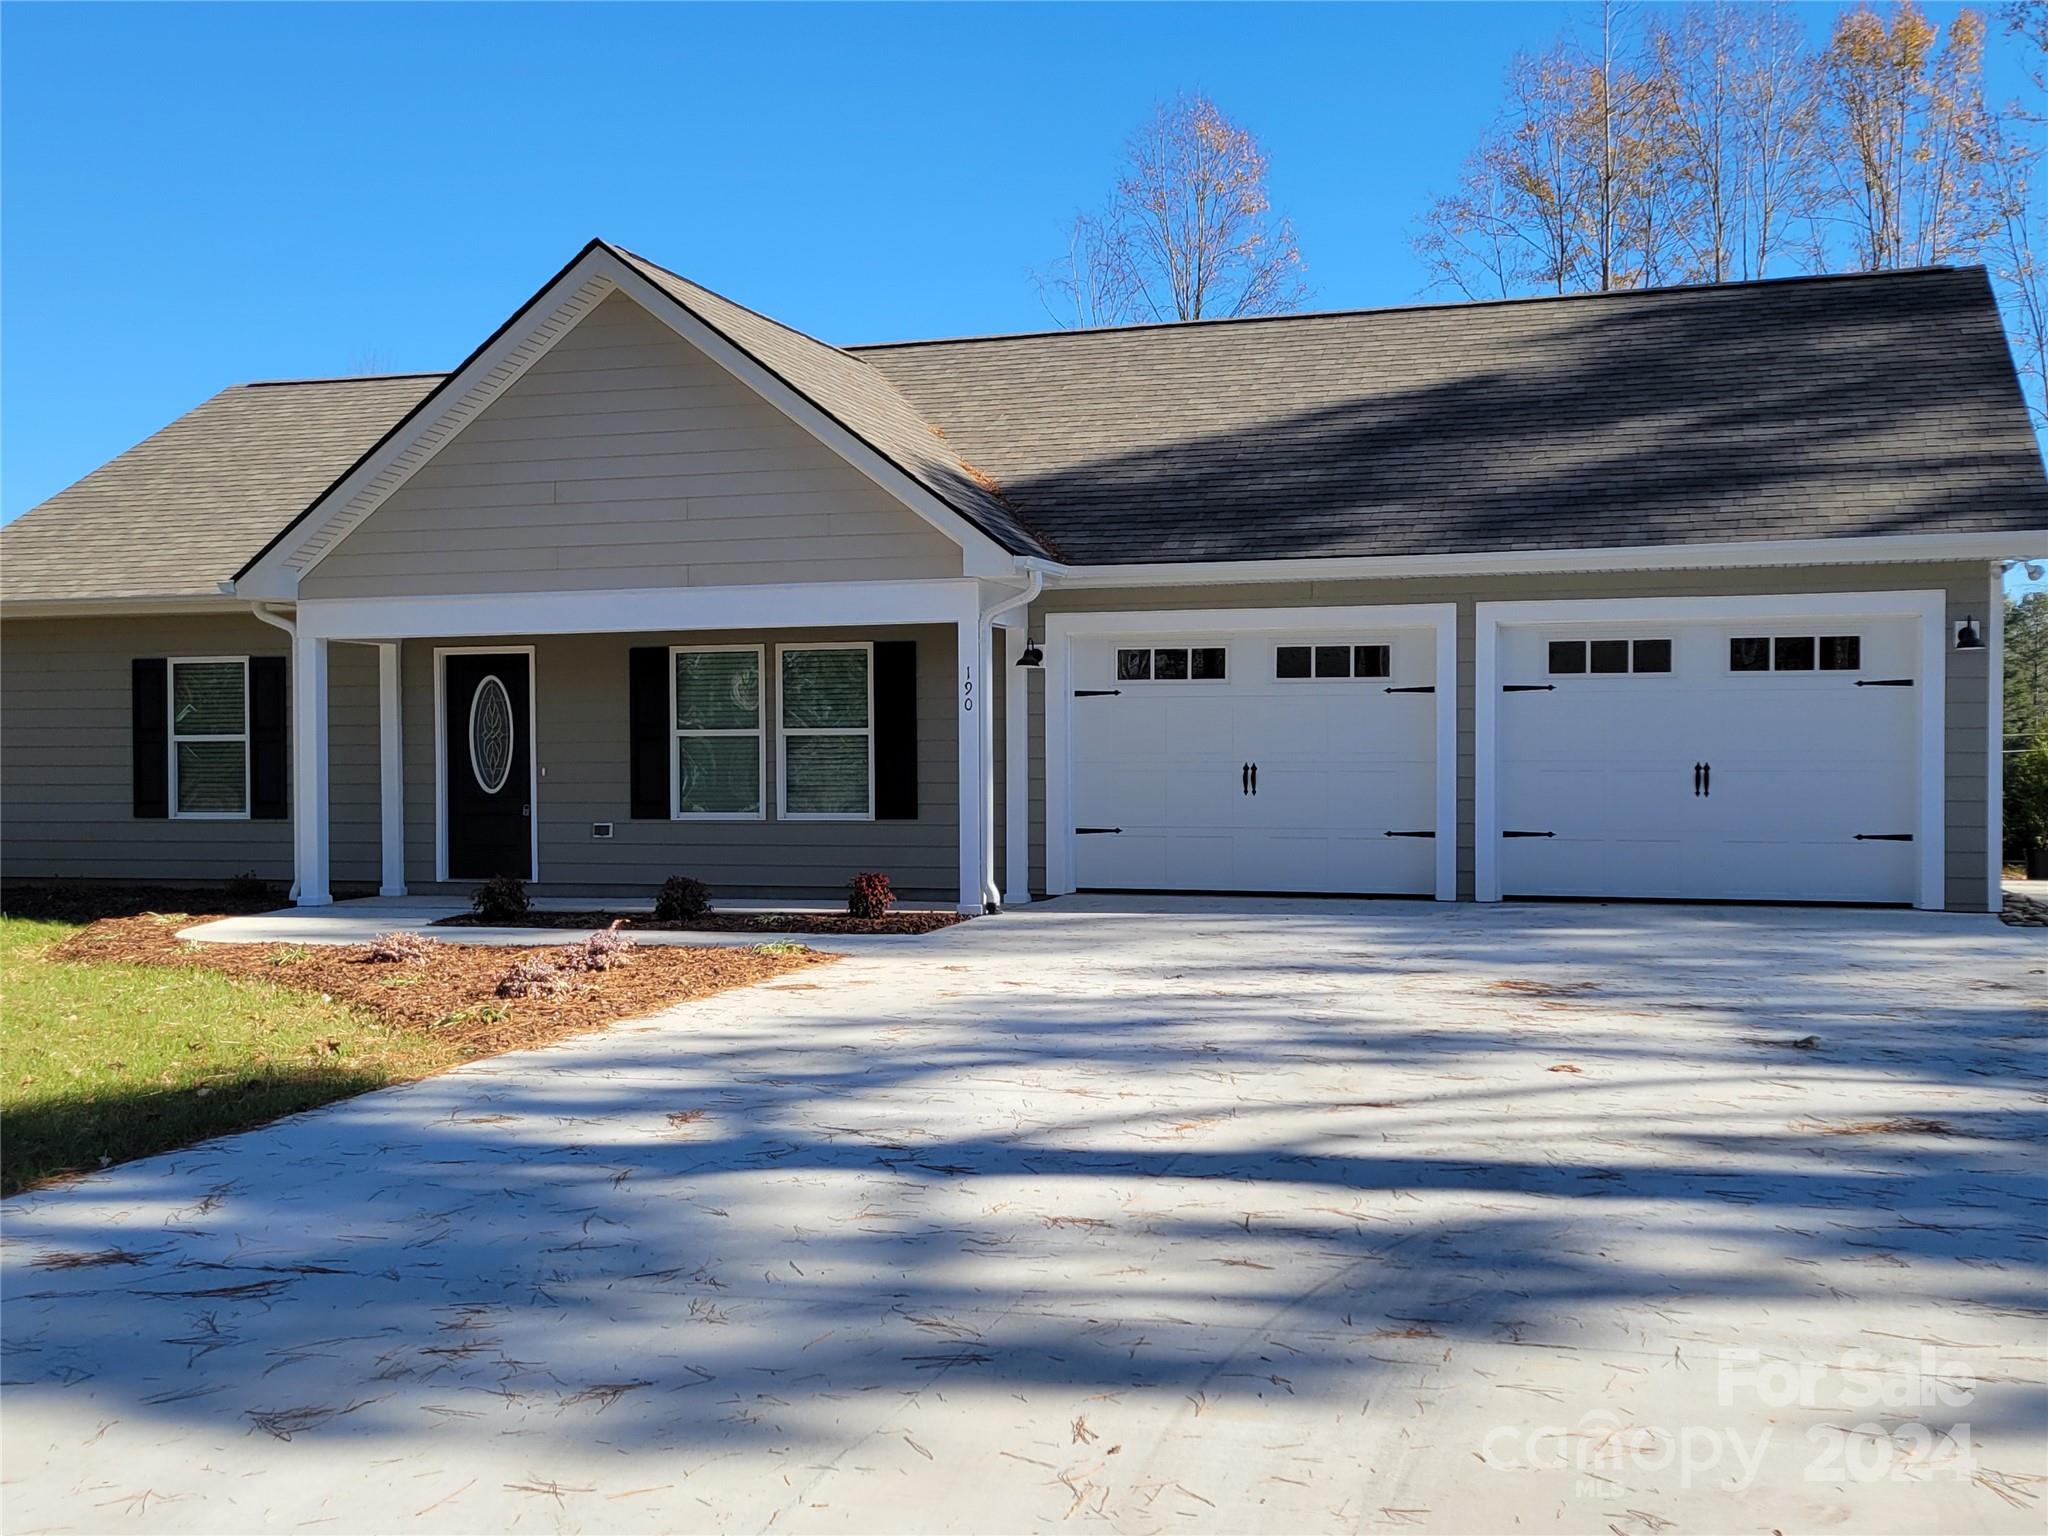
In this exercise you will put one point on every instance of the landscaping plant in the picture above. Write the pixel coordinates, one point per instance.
(532, 976)
(602, 951)
(399, 948)
(869, 895)
(682, 900)
(501, 899)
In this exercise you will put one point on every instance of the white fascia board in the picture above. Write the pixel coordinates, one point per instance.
(116, 607)
(2024, 545)
(632, 610)
(982, 555)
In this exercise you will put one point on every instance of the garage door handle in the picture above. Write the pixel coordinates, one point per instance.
(1528, 687)
(1411, 834)
(1884, 682)
(1696, 780)
(1528, 834)
(1097, 831)
(1884, 837)
(1244, 779)
(1424, 688)
(1255, 778)
(1098, 693)
(1707, 780)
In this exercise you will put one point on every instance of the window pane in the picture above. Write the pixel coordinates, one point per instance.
(210, 776)
(1609, 655)
(1752, 655)
(1291, 661)
(1841, 653)
(718, 774)
(1333, 661)
(1133, 666)
(1567, 656)
(718, 690)
(1169, 666)
(1653, 656)
(1795, 653)
(825, 688)
(828, 775)
(1208, 663)
(1371, 660)
(206, 699)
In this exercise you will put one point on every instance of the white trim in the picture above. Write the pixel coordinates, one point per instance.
(1994, 765)
(310, 830)
(1016, 769)
(1062, 629)
(174, 739)
(796, 605)
(759, 733)
(1927, 609)
(783, 731)
(390, 772)
(441, 653)
(976, 773)
(116, 607)
(555, 311)
(1878, 549)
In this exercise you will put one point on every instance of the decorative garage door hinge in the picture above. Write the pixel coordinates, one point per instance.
(1411, 834)
(1528, 834)
(1884, 837)
(1528, 687)
(1884, 682)
(1095, 831)
(1097, 693)
(1424, 688)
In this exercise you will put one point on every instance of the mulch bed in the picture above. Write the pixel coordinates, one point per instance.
(725, 922)
(452, 994)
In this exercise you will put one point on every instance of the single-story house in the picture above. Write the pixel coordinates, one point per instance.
(1687, 593)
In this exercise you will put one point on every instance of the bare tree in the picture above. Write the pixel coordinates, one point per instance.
(1188, 233)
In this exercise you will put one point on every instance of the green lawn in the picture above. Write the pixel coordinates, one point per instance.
(100, 1063)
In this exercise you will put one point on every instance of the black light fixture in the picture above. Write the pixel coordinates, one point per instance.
(1968, 636)
(1032, 657)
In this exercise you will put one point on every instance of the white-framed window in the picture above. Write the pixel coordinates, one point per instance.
(1600, 658)
(1795, 653)
(1172, 664)
(825, 712)
(718, 762)
(209, 747)
(1322, 660)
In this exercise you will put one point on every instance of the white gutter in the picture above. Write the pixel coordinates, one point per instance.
(292, 630)
(984, 643)
(1877, 549)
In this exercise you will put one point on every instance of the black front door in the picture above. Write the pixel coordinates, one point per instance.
(488, 746)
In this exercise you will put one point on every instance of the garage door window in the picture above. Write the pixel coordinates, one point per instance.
(1575, 658)
(1795, 653)
(1172, 664)
(1294, 662)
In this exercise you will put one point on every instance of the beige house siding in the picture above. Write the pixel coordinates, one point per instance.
(626, 458)
(1968, 584)
(66, 789)
(582, 709)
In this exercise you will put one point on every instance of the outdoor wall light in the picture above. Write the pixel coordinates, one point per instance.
(1968, 636)
(1032, 657)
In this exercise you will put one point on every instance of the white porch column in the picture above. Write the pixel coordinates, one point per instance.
(309, 769)
(1016, 767)
(390, 772)
(970, 701)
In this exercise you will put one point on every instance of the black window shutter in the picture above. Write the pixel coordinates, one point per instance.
(150, 735)
(648, 685)
(896, 730)
(269, 739)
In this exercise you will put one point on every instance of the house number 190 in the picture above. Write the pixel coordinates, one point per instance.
(967, 691)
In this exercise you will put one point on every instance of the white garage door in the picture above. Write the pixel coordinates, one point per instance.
(1255, 762)
(1725, 760)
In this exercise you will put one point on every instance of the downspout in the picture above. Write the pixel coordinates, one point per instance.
(984, 642)
(262, 611)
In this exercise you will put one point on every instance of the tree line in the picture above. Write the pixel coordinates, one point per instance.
(1712, 142)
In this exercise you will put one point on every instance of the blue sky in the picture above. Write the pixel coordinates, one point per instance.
(199, 195)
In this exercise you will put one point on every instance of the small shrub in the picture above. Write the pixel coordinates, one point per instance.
(532, 976)
(399, 948)
(602, 951)
(682, 900)
(869, 895)
(781, 947)
(249, 886)
(500, 899)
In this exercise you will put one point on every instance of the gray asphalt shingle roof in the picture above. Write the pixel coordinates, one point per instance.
(1804, 408)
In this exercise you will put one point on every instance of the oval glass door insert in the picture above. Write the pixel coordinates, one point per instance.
(490, 735)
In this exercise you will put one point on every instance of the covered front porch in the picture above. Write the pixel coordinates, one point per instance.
(769, 741)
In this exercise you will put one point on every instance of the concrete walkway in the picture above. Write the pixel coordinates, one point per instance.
(1292, 1217)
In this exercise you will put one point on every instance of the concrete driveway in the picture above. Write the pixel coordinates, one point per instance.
(1217, 1217)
